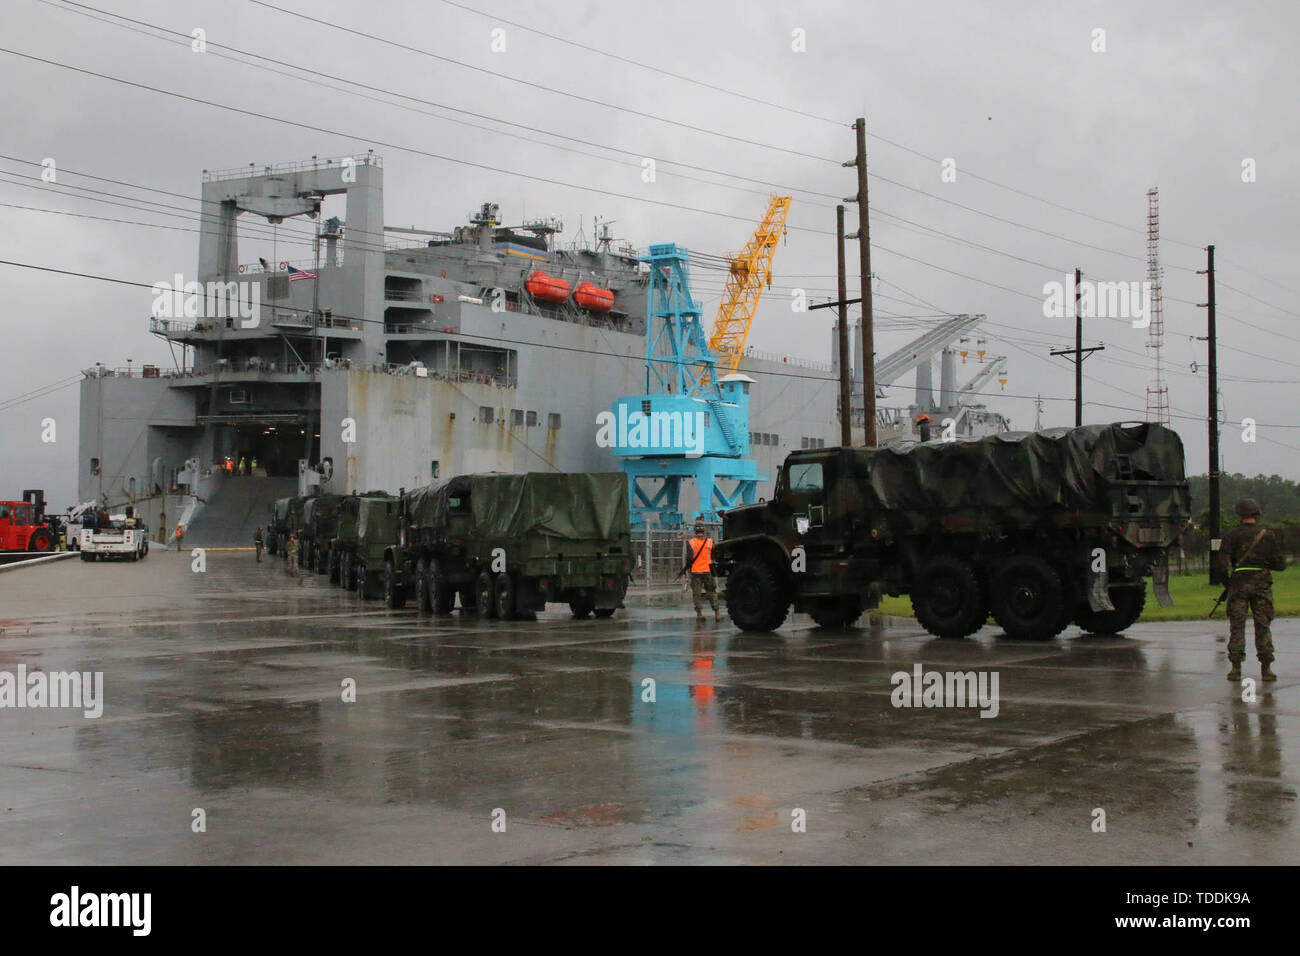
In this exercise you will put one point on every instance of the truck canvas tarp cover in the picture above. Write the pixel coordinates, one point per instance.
(573, 507)
(1068, 469)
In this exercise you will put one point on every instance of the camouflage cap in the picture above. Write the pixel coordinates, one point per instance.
(1247, 508)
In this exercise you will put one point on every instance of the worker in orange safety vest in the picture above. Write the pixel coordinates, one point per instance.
(698, 555)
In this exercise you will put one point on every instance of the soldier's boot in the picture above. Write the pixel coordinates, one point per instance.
(1235, 673)
(1266, 671)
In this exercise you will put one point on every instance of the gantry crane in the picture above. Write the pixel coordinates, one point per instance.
(750, 271)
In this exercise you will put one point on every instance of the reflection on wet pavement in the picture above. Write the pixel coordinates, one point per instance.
(639, 739)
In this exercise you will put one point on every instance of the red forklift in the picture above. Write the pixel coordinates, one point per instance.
(24, 525)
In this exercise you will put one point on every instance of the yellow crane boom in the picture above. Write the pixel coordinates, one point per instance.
(750, 271)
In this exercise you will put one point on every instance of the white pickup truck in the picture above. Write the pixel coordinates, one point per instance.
(118, 537)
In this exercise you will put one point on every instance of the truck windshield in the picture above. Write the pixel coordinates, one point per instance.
(805, 477)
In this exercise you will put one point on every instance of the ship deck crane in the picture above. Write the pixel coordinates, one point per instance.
(750, 272)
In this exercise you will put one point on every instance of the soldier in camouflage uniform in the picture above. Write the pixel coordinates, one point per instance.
(698, 555)
(1251, 587)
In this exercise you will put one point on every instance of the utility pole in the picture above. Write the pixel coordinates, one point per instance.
(309, 430)
(867, 339)
(1212, 342)
(846, 376)
(1079, 352)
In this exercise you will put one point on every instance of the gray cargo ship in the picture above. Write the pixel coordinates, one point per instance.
(394, 363)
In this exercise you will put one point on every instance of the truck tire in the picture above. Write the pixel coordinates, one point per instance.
(442, 596)
(468, 599)
(422, 586)
(322, 560)
(581, 607)
(604, 612)
(756, 599)
(394, 593)
(41, 540)
(1128, 601)
(345, 571)
(87, 556)
(365, 587)
(504, 596)
(1027, 597)
(947, 598)
(332, 571)
(485, 595)
(836, 613)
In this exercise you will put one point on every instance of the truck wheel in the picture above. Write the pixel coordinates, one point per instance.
(485, 595)
(345, 571)
(604, 612)
(581, 607)
(332, 570)
(1128, 601)
(394, 593)
(756, 599)
(843, 612)
(322, 560)
(365, 590)
(422, 604)
(468, 599)
(1027, 597)
(41, 540)
(505, 596)
(442, 597)
(87, 556)
(947, 598)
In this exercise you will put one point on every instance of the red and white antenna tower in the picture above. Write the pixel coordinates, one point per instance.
(1158, 391)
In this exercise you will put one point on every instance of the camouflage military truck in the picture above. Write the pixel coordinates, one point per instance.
(511, 544)
(374, 532)
(343, 546)
(1040, 529)
(277, 529)
(320, 519)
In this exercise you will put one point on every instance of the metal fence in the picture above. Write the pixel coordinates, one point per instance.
(660, 554)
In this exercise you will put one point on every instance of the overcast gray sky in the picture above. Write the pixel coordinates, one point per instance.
(1054, 143)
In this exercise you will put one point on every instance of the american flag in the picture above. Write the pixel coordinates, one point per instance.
(296, 274)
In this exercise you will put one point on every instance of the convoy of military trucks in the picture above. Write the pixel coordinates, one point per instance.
(505, 545)
(1037, 530)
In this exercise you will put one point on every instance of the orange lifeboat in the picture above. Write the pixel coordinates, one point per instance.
(593, 298)
(546, 288)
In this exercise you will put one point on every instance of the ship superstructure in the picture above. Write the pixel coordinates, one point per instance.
(394, 356)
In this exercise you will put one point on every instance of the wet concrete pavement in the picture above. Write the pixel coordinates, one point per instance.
(223, 691)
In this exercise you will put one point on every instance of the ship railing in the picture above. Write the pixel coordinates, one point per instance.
(408, 295)
(129, 371)
(459, 376)
(280, 266)
(787, 360)
(242, 172)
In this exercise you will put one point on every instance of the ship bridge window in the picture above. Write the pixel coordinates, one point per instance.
(485, 414)
(553, 420)
(516, 416)
(531, 419)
